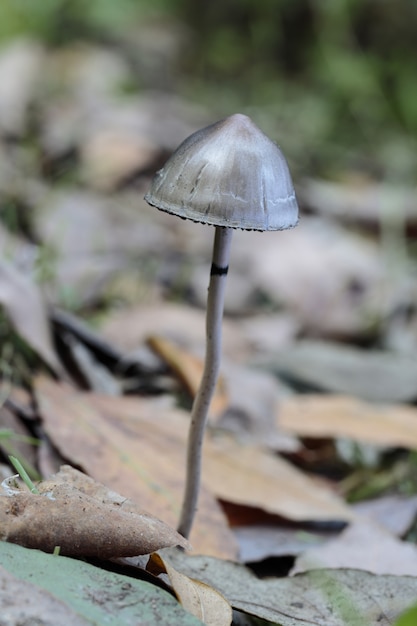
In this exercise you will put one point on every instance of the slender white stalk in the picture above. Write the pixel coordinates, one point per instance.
(215, 305)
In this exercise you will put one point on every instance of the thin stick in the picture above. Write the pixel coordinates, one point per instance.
(215, 305)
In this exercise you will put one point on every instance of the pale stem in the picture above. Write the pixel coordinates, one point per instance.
(201, 405)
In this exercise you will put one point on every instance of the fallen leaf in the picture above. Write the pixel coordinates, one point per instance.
(18, 295)
(81, 524)
(189, 369)
(251, 475)
(258, 542)
(93, 374)
(196, 597)
(363, 545)
(27, 604)
(93, 594)
(409, 618)
(374, 375)
(137, 448)
(320, 597)
(395, 513)
(70, 324)
(344, 416)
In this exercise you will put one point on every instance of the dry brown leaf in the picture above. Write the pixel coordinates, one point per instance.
(196, 597)
(317, 415)
(138, 449)
(363, 545)
(256, 477)
(189, 370)
(81, 524)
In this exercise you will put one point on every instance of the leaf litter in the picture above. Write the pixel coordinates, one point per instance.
(224, 458)
(197, 597)
(74, 592)
(17, 294)
(135, 448)
(88, 429)
(374, 375)
(83, 519)
(364, 299)
(319, 415)
(330, 597)
(359, 547)
(149, 463)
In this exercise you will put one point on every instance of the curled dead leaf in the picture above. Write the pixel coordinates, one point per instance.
(80, 524)
(197, 597)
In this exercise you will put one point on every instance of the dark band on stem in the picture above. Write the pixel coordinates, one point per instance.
(216, 270)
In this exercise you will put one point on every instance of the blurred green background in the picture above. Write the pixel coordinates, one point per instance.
(337, 77)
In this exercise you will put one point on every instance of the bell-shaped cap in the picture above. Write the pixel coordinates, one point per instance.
(228, 174)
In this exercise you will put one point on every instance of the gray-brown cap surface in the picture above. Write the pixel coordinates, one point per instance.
(228, 174)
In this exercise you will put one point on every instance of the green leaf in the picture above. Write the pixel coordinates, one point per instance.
(95, 595)
(23, 474)
(409, 618)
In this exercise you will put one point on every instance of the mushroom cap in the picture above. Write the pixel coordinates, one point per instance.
(227, 174)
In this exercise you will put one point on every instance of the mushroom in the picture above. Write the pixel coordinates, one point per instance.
(229, 175)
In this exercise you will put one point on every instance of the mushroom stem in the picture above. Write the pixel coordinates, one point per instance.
(215, 305)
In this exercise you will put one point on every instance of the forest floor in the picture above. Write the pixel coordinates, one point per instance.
(308, 506)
